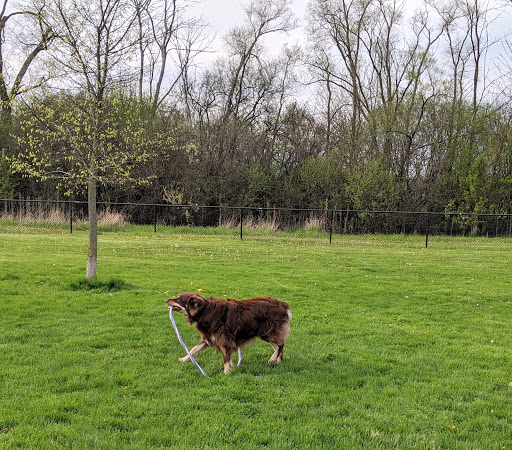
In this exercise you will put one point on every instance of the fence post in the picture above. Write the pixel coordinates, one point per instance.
(70, 217)
(330, 226)
(154, 218)
(241, 223)
(426, 236)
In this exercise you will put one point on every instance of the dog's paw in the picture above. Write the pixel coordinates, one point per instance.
(275, 360)
(184, 359)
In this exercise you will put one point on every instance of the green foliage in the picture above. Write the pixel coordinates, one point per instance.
(70, 139)
(317, 181)
(373, 187)
(140, 154)
(392, 345)
(261, 181)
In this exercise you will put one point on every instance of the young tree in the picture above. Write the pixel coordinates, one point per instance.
(93, 41)
(59, 139)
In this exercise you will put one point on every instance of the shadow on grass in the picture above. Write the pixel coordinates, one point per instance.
(110, 285)
(9, 277)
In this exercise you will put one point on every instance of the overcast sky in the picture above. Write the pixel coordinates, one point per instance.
(222, 15)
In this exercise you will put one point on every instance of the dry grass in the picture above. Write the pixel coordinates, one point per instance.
(314, 223)
(250, 223)
(38, 215)
(230, 222)
(112, 218)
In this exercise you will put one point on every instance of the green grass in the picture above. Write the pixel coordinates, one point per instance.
(392, 345)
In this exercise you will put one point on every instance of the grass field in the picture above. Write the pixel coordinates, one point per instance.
(392, 345)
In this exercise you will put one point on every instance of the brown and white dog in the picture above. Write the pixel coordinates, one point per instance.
(229, 324)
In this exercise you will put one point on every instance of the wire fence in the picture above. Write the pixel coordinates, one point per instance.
(27, 215)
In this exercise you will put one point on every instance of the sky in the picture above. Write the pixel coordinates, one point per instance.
(222, 15)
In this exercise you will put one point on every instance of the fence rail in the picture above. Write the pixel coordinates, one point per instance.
(73, 214)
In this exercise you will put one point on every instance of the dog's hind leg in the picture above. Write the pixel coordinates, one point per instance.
(278, 342)
(278, 353)
(194, 351)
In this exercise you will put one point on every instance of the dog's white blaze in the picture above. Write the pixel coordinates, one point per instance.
(180, 309)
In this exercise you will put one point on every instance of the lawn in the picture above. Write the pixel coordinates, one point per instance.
(392, 345)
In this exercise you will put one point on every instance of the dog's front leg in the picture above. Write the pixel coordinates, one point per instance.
(194, 351)
(228, 363)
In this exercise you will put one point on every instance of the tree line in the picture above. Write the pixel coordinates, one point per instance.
(384, 107)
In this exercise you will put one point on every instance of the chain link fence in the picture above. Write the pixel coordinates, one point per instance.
(25, 215)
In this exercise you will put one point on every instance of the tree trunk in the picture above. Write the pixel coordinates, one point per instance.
(92, 255)
(6, 127)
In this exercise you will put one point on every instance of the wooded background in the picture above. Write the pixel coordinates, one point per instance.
(385, 107)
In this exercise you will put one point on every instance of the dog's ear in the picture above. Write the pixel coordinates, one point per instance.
(195, 300)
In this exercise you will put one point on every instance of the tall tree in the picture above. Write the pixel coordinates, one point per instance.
(338, 29)
(241, 97)
(244, 43)
(168, 43)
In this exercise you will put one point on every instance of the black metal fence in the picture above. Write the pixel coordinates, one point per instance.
(247, 221)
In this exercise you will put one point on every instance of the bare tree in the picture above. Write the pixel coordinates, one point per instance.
(244, 43)
(168, 43)
(338, 28)
(382, 69)
(286, 79)
(458, 55)
(242, 93)
(469, 36)
(479, 16)
(400, 64)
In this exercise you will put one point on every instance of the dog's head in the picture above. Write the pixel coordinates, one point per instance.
(190, 304)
